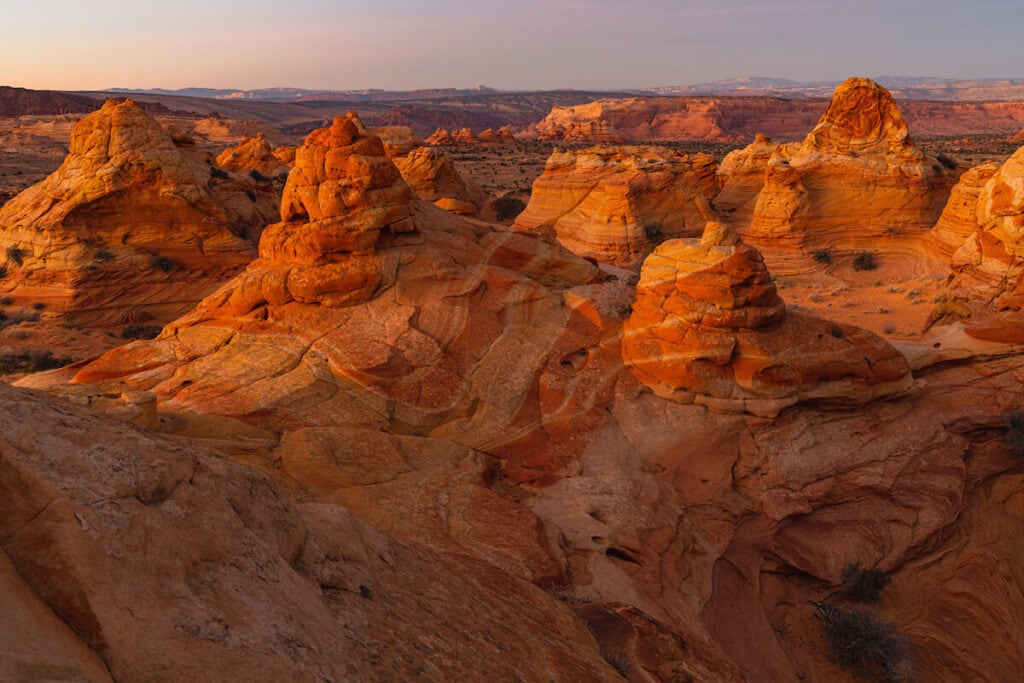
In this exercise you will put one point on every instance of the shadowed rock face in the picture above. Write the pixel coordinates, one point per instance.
(127, 224)
(470, 396)
(709, 327)
(613, 204)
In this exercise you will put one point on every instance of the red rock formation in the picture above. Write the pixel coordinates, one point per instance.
(286, 154)
(398, 140)
(433, 177)
(742, 175)
(473, 412)
(856, 183)
(987, 278)
(128, 226)
(252, 154)
(708, 327)
(959, 219)
(503, 135)
(735, 119)
(440, 138)
(614, 203)
(464, 136)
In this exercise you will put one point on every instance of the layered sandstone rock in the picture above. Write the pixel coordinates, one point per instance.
(987, 277)
(475, 402)
(959, 219)
(398, 140)
(741, 175)
(440, 138)
(130, 226)
(433, 177)
(856, 183)
(252, 154)
(464, 136)
(503, 135)
(636, 119)
(169, 561)
(614, 204)
(709, 327)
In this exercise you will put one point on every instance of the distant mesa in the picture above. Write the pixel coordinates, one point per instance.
(709, 327)
(130, 227)
(613, 204)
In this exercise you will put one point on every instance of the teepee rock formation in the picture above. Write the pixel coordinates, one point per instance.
(127, 226)
(709, 327)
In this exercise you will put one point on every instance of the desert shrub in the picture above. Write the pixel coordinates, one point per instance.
(3, 271)
(259, 177)
(861, 643)
(16, 254)
(837, 331)
(1014, 438)
(864, 261)
(863, 585)
(251, 194)
(653, 232)
(39, 305)
(30, 361)
(103, 256)
(161, 263)
(822, 256)
(216, 172)
(6, 301)
(508, 207)
(946, 161)
(141, 332)
(282, 177)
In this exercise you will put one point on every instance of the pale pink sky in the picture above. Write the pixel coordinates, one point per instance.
(514, 44)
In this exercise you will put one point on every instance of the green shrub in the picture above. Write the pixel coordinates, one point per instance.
(946, 161)
(16, 254)
(863, 585)
(161, 263)
(822, 256)
(864, 261)
(141, 332)
(1014, 437)
(862, 644)
(653, 232)
(31, 361)
(508, 207)
(218, 173)
(259, 177)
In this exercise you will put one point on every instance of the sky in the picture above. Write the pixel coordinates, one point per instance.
(509, 44)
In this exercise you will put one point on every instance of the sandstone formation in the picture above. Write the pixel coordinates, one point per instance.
(613, 204)
(741, 176)
(987, 276)
(433, 177)
(959, 219)
(503, 135)
(217, 129)
(129, 228)
(464, 136)
(398, 140)
(169, 562)
(440, 138)
(738, 119)
(252, 155)
(443, 421)
(286, 154)
(857, 182)
(709, 327)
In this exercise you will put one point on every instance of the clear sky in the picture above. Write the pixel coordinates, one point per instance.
(510, 44)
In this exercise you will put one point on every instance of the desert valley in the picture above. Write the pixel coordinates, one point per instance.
(713, 384)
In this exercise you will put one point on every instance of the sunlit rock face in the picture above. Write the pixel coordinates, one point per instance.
(613, 204)
(129, 227)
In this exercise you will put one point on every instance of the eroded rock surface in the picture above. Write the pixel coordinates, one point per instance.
(129, 227)
(613, 204)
